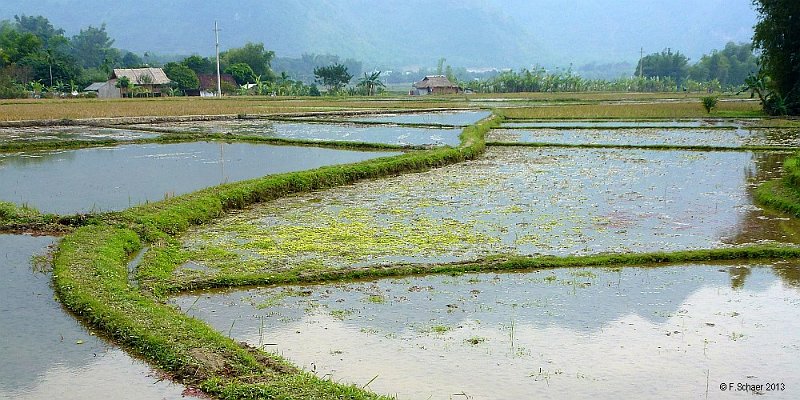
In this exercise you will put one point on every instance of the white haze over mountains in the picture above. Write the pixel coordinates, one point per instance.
(469, 33)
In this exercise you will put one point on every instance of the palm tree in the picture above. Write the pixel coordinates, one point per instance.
(371, 83)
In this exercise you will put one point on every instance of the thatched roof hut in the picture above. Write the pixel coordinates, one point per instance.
(436, 84)
(142, 76)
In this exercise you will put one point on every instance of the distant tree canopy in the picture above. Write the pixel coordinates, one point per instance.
(664, 65)
(777, 36)
(242, 73)
(303, 68)
(200, 65)
(335, 76)
(92, 47)
(730, 67)
(181, 75)
(252, 54)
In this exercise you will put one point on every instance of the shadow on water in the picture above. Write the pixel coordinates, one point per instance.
(46, 353)
(115, 178)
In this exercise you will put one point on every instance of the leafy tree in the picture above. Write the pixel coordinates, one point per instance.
(183, 77)
(730, 66)
(252, 54)
(777, 36)
(242, 73)
(333, 76)
(38, 26)
(664, 65)
(200, 65)
(92, 46)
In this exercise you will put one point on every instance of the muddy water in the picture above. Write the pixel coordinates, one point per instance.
(115, 178)
(666, 332)
(514, 200)
(59, 133)
(46, 353)
(458, 118)
(650, 136)
(322, 132)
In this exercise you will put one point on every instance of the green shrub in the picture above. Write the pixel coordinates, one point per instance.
(709, 103)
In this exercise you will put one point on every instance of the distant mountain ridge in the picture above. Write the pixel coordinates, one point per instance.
(471, 33)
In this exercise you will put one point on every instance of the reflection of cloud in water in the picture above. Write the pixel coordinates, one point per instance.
(534, 336)
(39, 341)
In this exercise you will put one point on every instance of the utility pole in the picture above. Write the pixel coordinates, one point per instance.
(219, 79)
(641, 65)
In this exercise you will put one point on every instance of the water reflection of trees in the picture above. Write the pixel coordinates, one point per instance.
(758, 225)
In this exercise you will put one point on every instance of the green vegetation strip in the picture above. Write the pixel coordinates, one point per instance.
(614, 128)
(161, 262)
(365, 123)
(91, 279)
(784, 193)
(23, 219)
(645, 146)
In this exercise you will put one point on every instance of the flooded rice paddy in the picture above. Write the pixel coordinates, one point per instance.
(115, 178)
(398, 135)
(62, 133)
(514, 200)
(45, 352)
(626, 124)
(650, 136)
(456, 118)
(665, 332)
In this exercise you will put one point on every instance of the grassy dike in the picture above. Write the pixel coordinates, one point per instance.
(784, 193)
(91, 279)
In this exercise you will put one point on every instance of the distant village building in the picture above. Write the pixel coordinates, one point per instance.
(208, 83)
(435, 84)
(148, 81)
(104, 90)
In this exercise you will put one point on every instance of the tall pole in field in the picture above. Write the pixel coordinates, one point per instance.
(641, 65)
(219, 80)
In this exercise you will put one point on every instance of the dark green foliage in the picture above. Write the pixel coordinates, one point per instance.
(242, 73)
(664, 65)
(252, 54)
(335, 77)
(777, 36)
(91, 47)
(200, 65)
(730, 66)
(183, 77)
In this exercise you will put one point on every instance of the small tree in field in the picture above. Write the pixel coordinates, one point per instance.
(335, 77)
(709, 103)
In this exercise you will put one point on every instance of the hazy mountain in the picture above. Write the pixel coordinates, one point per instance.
(471, 33)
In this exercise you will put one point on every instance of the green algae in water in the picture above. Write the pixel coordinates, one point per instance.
(518, 201)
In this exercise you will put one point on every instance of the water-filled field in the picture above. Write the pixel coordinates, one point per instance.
(62, 133)
(349, 132)
(115, 178)
(561, 333)
(47, 353)
(651, 136)
(514, 200)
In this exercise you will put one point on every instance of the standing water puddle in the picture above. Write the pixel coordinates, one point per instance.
(651, 136)
(115, 178)
(514, 200)
(321, 132)
(46, 353)
(562, 333)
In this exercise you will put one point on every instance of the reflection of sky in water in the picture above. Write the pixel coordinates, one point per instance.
(679, 137)
(572, 332)
(41, 357)
(87, 133)
(115, 178)
(532, 201)
(458, 118)
(324, 132)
